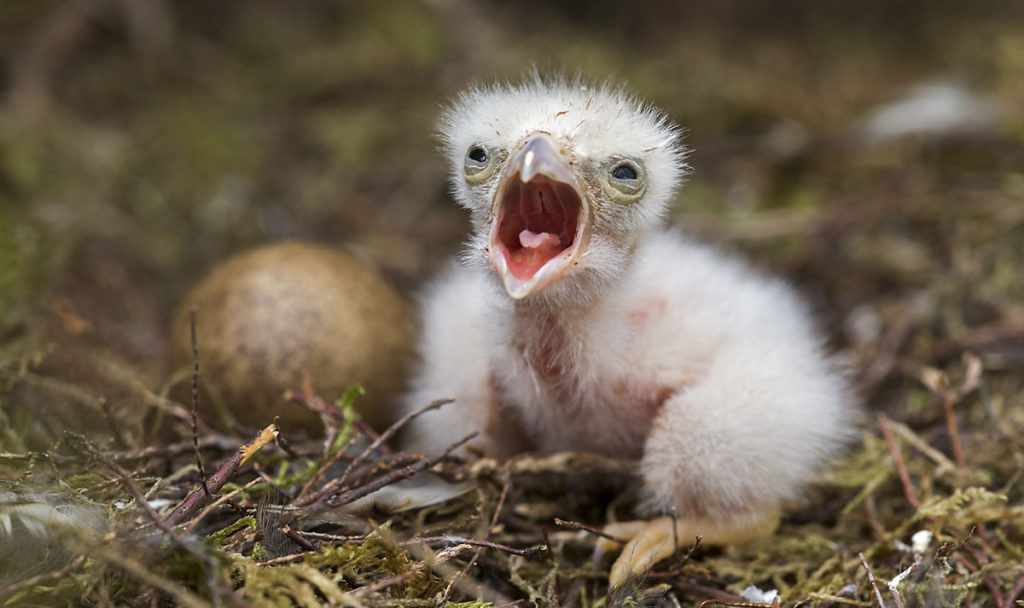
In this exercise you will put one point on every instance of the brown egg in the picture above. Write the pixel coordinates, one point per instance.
(265, 316)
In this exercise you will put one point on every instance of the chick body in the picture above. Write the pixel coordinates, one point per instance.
(627, 339)
(705, 370)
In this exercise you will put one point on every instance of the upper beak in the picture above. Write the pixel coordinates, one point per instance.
(539, 218)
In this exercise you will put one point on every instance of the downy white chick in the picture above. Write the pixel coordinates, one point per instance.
(575, 322)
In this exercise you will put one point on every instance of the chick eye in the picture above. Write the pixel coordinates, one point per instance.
(626, 180)
(477, 154)
(624, 171)
(478, 164)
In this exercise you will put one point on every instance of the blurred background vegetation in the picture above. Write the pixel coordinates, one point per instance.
(143, 141)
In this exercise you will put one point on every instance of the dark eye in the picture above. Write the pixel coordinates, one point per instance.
(625, 180)
(624, 171)
(477, 165)
(478, 154)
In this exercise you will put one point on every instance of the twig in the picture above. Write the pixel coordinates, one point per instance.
(223, 474)
(938, 383)
(1011, 598)
(954, 430)
(323, 468)
(300, 540)
(559, 462)
(221, 500)
(390, 478)
(908, 435)
(284, 559)
(897, 459)
(335, 537)
(506, 482)
(195, 398)
(528, 553)
(718, 602)
(574, 525)
(895, 582)
(871, 577)
(336, 484)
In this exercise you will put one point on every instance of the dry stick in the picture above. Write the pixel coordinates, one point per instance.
(284, 559)
(1018, 588)
(908, 435)
(327, 463)
(871, 577)
(195, 397)
(897, 459)
(299, 540)
(948, 398)
(226, 471)
(392, 477)
(528, 553)
(982, 558)
(223, 499)
(573, 525)
(335, 484)
(506, 482)
(718, 602)
(387, 434)
(335, 537)
(168, 451)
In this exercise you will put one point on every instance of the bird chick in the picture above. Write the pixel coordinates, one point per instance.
(575, 322)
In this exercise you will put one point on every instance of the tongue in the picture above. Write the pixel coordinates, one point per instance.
(544, 244)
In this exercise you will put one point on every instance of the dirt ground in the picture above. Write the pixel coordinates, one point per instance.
(142, 142)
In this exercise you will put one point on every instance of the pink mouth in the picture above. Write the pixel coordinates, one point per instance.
(537, 223)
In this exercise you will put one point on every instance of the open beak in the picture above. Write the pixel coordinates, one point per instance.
(540, 217)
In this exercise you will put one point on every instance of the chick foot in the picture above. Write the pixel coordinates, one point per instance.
(652, 541)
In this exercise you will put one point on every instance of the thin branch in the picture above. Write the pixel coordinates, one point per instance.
(506, 482)
(1011, 598)
(528, 553)
(574, 525)
(339, 483)
(195, 398)
(299, 539)
(871, 577)
(221, 500)
(718, 602)
(897, 459)
(948, 399)
(908, 435)
(390, 478)
(223, 474)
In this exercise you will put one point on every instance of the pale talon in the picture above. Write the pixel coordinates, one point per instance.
(655, 540)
